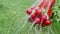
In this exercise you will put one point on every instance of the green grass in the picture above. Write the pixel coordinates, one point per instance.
(12, 16)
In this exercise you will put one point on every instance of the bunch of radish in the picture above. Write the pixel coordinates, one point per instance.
(37, 14)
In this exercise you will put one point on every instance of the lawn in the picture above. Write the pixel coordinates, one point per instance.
(12, 16)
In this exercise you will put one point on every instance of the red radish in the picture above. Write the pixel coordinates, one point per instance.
(33, 16)
(37, 20)
(29, 11)
(32, 8)
(43, 18)
(38, 12)
(30, 19)
(42, 24)
(47, 22)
